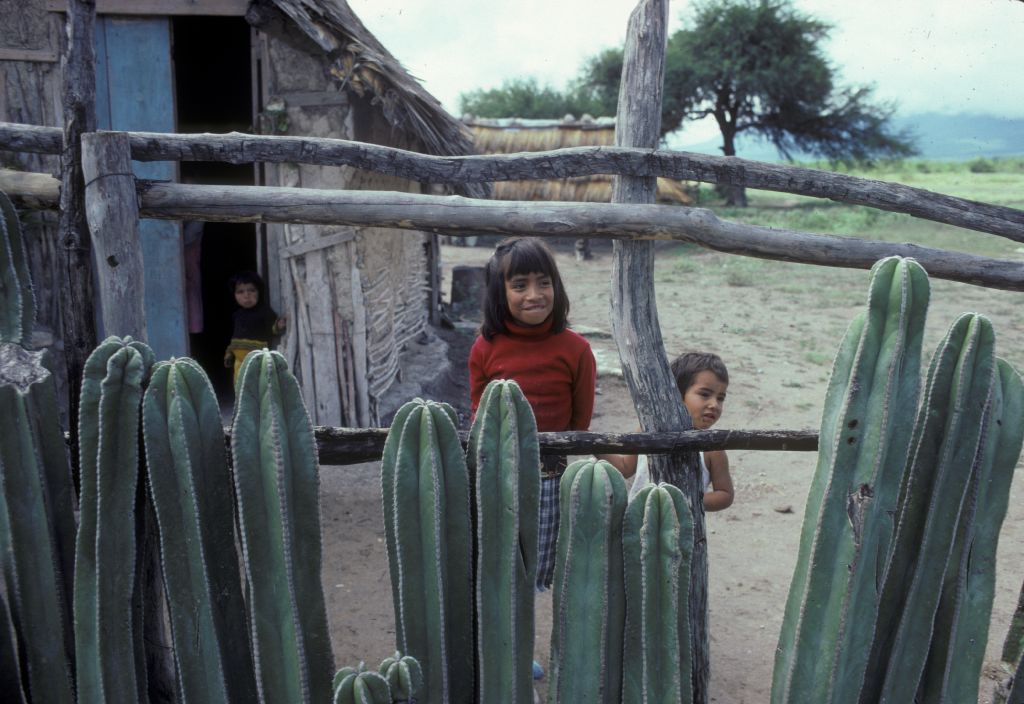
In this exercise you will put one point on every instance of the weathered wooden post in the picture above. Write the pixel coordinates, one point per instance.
(78, 64)
(112, 209)
(635, 312)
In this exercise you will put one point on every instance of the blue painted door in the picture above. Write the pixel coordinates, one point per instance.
(135, 91)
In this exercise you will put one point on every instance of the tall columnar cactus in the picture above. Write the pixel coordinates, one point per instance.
(357, 685)
(37, 530)
(17, 303)
(657, 543)
(1013, 646)
(865, 441)
(108, 636)
(277, 483)
(10, 662)
(404, 676)
(425, 487)
(504, 461)
(192, 495)
(949, 441)
(962, 620)
(589, 598)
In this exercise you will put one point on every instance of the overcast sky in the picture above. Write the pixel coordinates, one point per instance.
(928, 55)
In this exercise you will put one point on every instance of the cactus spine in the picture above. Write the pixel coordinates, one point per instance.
(948, 440)
(504, 461)
(846, 533)
(961, 626)
(277, 484)
(404, 676)
(657, 544)
(37, 530)
(357, 685)
(108, 633)
(589, 600)
(17, 302)
(192, 495)
(425, 488)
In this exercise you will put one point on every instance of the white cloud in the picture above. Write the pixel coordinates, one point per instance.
(928, 55)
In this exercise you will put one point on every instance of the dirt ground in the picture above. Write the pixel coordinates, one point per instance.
(777, 326)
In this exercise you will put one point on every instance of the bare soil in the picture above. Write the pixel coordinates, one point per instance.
(777, 326)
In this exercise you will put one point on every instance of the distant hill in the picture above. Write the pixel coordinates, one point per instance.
(939, 136)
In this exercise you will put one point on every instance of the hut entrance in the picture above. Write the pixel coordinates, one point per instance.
(213, 86)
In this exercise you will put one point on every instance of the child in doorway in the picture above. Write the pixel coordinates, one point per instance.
(254, 322)
(525, 337)
(702, 380)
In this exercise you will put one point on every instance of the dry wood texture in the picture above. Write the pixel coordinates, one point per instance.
(456, 215)
(341, 446)
(113, 213)
(239, 148)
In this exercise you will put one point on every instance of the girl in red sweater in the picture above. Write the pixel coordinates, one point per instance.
(524, 337)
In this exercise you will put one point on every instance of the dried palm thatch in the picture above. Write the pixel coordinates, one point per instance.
(360, 63)
(512, 135)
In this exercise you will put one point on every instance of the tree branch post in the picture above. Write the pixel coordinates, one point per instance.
(634, 310)
(112, 208)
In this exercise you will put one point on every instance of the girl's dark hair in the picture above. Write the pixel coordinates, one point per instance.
(688, 365)
(514, 256)
(248, 277)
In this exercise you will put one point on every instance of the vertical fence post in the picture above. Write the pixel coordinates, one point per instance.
(78, 330)
(634, 310)
(112, 209)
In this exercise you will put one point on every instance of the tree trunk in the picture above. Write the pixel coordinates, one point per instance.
(735, 194)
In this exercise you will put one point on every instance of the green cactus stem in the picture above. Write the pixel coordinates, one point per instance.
(1013, 646)
(404, 676)
(357, 685)
(192, 495)
(961, 627)
(504, 461)
(657, 544)
(110, 665)
(277, 483)
(589, 600)
(425, 489)
(37, 530)
(847, 526)
(17, 302)
(948, 437)
(10, 661)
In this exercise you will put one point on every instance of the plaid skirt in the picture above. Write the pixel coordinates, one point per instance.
(547, 534)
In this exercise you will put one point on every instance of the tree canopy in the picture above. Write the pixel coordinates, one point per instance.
(758, 66)
(524, 97)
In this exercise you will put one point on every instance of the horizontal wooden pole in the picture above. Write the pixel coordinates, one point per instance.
(457, 215)
(31, 190)
(238, 148)
(354, 445)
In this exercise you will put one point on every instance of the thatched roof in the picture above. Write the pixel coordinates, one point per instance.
(360, 63)
(511, 135)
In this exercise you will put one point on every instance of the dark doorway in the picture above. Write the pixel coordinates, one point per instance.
(213, 83)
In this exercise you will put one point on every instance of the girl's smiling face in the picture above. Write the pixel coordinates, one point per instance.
(530, 297)
(705, 398)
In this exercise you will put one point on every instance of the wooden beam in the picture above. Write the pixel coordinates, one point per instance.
(341, 446)
(113, 214)
(236, 148)
(457, 215)
(162, 8)
(45, 56)
(31, 190)
(634, 309)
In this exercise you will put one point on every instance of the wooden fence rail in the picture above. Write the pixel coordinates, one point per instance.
(340, 446)
(563, 163)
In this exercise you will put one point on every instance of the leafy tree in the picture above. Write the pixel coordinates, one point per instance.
(757, 66)
(524, 97)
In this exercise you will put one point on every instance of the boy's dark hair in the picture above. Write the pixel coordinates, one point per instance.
(514, 256)
(248, 277)
(689, 364)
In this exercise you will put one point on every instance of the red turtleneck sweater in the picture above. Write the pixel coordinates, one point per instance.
(556, 372)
